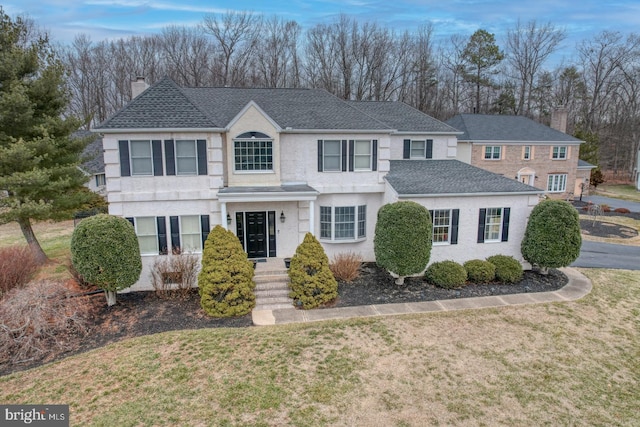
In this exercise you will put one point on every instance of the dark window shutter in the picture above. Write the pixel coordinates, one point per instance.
(271, 218)
(406, 151)
(429, 149)
(156, 150)
(374, 158)
(320, 158)
(506, 212)
(431, 216)
(125, 165)
(169, 152)
(161, 221)
(202, 157)
(344, 155)
(455, 219)
(351, 154)
(481, 223)
(175, 233)
(204, 228)
(131, 220)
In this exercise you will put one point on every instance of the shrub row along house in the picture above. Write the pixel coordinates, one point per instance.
(273, 164)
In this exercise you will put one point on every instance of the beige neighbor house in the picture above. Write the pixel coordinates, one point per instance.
(273, 164)
(522, 149)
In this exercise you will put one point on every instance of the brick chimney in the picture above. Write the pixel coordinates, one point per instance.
(138, 86)
(559, 119)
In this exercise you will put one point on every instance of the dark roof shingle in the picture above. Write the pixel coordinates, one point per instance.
(438, 177)
(482, 127)
(402, 117)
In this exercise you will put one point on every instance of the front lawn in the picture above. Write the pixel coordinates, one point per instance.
(619, 191)
(572, 363)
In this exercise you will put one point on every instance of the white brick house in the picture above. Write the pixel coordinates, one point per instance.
(274, 164)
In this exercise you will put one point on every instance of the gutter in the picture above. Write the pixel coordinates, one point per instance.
(517, 193)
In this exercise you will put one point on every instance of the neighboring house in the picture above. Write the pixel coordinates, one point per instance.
(93, 163)
(274, 164)
(521, 149)
(583, 178)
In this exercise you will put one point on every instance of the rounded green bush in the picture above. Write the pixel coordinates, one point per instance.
(552, 237)
(105, 252)
(446, 274)
(225, 282)
(480, 271)
(402, 242)
(311, 281)
(508, 269)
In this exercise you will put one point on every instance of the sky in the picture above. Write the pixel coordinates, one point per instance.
(104, 19)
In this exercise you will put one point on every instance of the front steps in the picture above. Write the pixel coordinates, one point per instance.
(272, 285)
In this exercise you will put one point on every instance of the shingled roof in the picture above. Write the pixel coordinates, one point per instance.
(440, 177)
(165, 105)
(513, 129)
(92, 155)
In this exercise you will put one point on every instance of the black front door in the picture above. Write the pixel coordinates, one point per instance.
(256, 234)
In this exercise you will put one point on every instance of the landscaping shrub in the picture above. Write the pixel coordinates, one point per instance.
(225, 281)
(174, 275)
(39, 318)
(17, 267)
(622, 210)
(311, 281)
(552, 237)
(105, 252)
(605, 207)
(402, 243)
(480, 271)
(346, 266)
(446, 274)
(508, 269)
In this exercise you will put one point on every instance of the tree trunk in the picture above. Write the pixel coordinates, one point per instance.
(400, 280)
(544, 271)
(30, 237)
(111, 297)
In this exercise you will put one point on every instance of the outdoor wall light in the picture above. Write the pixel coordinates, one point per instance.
(282, 217)
(228, 219)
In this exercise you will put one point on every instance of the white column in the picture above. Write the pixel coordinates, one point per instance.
(312, 221)
(223, 215)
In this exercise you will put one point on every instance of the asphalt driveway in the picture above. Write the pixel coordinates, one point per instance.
(613, 203)
(608, 255)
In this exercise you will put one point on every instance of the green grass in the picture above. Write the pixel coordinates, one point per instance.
(619, 191)
(573, 363)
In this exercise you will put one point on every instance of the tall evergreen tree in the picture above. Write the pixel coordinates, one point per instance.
(481, 54)
(39, 177)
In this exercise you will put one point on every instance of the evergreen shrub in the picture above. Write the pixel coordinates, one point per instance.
(446, 274)
(480, 271)
(508, 269)
(105, 252)
(225, 282)
(311, 281)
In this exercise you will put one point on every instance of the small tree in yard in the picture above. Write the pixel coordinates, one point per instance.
(552, 238)
(402, 243)
(225, 281)
(105, 252)
(311, 281)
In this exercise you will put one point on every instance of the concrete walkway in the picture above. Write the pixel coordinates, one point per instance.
(577, 287)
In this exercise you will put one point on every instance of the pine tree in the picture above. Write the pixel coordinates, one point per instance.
(39, 177)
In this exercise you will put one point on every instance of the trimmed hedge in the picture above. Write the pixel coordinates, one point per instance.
(508, 269)
(480, 271)
(225, 282)
(446, 274)
(552, 238)
(311, 281)
(402, 242)
(105, 252)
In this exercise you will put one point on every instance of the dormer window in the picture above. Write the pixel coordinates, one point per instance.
(253, 151)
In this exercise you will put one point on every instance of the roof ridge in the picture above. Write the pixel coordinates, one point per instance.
(191, 101)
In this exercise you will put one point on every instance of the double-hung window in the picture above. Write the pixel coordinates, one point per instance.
(417, 149)
(141, 158)
(186, 157)
(492, 152)
(147, 233)
(101, 180)
(493, 225)
(557, 183)
(253, 155)
(343, 222)
(190, 233)
(559, 152)
(362, 151)
(526, 153)
(332, 155)
(441, 225)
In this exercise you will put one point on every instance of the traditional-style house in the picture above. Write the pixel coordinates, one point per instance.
(274, 164)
